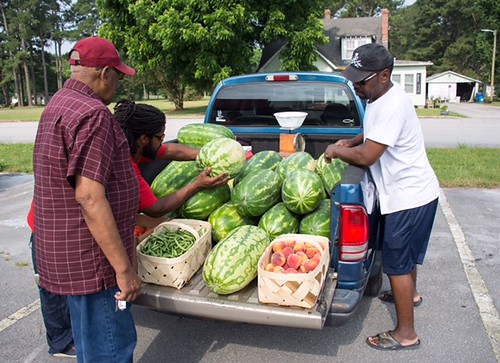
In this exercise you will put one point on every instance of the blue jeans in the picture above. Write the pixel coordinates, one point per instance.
(55, 314)
(102, 334)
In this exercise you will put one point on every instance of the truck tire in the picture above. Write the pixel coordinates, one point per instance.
(375, 280)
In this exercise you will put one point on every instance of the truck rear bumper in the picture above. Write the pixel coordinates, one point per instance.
(343, 307)
(195, 299)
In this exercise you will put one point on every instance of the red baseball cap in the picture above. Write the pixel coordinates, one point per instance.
(99, 52)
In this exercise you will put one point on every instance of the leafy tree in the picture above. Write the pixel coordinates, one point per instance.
(363, 8)
(198, 43)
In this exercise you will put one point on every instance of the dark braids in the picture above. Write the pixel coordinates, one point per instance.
(138, 119)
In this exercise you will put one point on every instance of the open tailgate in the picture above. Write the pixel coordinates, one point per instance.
(195, 299)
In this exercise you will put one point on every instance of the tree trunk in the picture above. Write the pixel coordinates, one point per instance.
(58, 49)
(15, 75)
(26, 75)
(44, 69)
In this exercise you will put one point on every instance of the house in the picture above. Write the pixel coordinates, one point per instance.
(345, 35)
(452, 87)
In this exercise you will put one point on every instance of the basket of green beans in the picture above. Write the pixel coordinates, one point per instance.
(174, 252)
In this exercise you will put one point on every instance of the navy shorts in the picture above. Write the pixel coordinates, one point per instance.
(406, 237)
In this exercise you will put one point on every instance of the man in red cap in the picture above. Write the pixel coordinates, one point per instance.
(392, 146)
(86, 198)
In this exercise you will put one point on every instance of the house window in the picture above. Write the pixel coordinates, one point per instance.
(351, 43)
(419, 83)
(396, 78)
(409, 83)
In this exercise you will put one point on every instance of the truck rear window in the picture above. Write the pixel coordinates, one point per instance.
(326, 104)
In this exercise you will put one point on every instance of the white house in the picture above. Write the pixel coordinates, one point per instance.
(452, 87)
(345, 35)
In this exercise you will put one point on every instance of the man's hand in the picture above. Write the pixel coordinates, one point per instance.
(205, 181)
(129, 285)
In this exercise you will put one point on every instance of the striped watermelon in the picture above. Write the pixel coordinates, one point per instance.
(279, 220)
(256, 193)
(331, 173)
(175, 175)
(232, 264)
(317, 222)
(226, 218)
(200, 205)
(301, 191)
(300, 160)
(223, 155)
(197, 134)
(265, 159)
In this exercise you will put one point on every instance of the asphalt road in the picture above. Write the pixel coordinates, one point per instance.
(457, 322)
(480, 128)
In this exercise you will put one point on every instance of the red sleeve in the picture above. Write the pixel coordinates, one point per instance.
(31, 217)
(147, 197)
(159, 154)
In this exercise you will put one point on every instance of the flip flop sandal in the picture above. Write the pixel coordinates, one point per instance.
(388, 297)
(387, 342)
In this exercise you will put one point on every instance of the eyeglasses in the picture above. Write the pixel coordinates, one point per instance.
(159, 137)
(365, 81)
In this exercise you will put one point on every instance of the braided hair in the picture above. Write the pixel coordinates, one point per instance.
(138, 119)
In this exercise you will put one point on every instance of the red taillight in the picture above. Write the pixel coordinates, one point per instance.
(353, 233)
(282, 78)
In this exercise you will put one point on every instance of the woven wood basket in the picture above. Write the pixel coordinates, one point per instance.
(293, 289)
(176, 272)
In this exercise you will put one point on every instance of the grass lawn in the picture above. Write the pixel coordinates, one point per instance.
(461, 167)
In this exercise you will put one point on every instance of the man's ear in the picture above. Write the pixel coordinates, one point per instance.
(143, 140)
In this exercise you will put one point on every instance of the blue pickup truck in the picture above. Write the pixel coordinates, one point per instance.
(247, 104)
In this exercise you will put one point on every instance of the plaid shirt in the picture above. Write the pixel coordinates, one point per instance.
(78, 135)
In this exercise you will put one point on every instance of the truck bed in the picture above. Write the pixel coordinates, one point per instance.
(195, 299)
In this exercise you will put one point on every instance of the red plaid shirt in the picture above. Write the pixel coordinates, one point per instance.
(78, 135)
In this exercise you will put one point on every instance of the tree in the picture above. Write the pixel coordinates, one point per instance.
(446, 33)
(199, 43)
(363, 8)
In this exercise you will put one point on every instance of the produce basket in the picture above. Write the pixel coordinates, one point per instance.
(176, 272)
(293, 289)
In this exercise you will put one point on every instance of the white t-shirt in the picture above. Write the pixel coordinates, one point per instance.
(403, 175)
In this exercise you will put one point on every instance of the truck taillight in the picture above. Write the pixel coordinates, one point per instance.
(353, 233)
(282, 78)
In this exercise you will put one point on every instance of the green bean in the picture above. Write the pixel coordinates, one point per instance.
(169, 243)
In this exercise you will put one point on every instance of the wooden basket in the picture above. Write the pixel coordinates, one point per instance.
(176, 272)
(293, 289)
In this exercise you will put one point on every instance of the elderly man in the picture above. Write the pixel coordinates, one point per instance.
(85, 201)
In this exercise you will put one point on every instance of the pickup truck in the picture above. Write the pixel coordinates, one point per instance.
(246, 104)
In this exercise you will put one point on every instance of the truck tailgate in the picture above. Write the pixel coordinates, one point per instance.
(194, 299)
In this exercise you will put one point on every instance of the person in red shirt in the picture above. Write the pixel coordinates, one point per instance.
(144, 127)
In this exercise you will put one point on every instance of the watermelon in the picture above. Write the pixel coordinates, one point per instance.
(226, 218)
(200, 205)
(256, 193)
(317, 222)
(197, 134)
(265, 159)
(331, 173)
(223, 155)
(173, 177)
(232, 264)
(301, 191)
(279, 220)
(300, 160)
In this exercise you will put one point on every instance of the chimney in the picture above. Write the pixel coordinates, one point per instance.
(328, 14)
(385, 28)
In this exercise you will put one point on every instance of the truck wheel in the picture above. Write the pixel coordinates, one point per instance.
(375, 280)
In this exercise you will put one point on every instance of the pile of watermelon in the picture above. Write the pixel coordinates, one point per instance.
(269, 193)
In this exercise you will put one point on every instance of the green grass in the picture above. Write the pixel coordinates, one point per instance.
(461, 167)
(16, 158)
(466, 167)
(191, 109)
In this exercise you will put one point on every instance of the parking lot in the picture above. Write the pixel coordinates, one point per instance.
(458, 321)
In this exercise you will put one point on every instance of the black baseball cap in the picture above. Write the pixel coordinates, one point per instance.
(366, 60)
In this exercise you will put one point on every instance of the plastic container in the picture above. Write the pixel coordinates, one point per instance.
(291, 119)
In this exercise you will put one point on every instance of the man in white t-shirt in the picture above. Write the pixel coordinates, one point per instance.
(392, 146)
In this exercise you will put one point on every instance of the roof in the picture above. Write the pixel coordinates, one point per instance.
(334, 29)
(450, 77)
